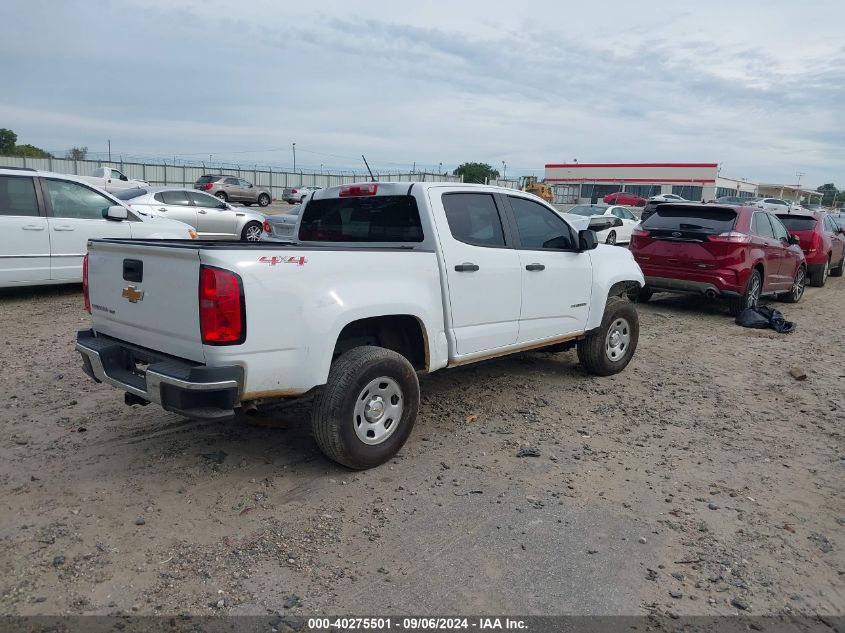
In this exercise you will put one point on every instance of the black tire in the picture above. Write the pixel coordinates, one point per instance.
(820, 278)
(611, 238)
(301, 200)
(799, 283)
(249, 234)
(246, 204)
(837, 272)
(333, 418)
(750, 296)
(644, 295)
(263, 200)
(594, 352)
(222, 195)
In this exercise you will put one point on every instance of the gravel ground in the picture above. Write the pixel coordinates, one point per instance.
(705, 479)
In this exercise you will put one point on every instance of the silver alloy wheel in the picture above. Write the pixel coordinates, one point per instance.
(826, 271)
(617, 340)
(611, 238)
(753, 292)
(263, 200)
(378, 410)
(253, 233)
(799, 283)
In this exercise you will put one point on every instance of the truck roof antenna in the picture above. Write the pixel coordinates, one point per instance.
(368, 168)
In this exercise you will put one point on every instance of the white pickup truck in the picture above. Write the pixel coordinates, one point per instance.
(112, 180)
(386, 281)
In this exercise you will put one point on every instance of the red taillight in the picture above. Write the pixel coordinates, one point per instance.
(354, 191)
(207, 186)
(85, 295)
(267, 228)
(815, 244)
(293, 190)
(221, 307)
(732, 237)
(638, 232)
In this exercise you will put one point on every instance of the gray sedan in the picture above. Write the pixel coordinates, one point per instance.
(283, 225)
(213, 218)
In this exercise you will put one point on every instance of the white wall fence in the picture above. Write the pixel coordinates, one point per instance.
(185, 175)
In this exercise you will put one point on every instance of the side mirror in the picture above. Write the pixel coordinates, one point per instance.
(841, 230)
(792, 239)
(587, 240)
(116, 213)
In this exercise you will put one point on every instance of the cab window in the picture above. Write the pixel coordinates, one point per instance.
(539, 227)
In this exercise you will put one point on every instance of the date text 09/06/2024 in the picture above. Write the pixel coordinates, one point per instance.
(416, 624)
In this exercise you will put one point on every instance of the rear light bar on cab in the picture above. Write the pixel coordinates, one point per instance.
(732, 237)
(355, 191)
(222, 313)
(85, 294)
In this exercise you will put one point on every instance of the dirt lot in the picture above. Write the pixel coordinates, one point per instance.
(703, 480)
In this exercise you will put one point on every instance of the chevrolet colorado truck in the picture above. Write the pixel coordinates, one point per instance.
(385, 281)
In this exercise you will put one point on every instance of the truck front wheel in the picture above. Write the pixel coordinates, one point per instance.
(609, 348)
(367, 409)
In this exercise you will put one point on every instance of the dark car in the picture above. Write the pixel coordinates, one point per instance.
(233, 189)
(738, 253)
(823, 243)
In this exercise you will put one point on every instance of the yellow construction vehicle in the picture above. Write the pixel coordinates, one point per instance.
(541, 189)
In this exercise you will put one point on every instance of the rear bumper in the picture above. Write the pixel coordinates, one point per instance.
(707, 288)
(184, 387)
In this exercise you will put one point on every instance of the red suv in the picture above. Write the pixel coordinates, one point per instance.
(624, 197)
(822, 241)
(719, 251)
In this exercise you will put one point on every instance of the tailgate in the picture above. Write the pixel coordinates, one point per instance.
(147, 295)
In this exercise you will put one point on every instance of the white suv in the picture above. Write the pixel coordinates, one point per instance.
(47, 219)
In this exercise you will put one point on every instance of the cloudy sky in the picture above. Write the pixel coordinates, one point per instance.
(757, 86)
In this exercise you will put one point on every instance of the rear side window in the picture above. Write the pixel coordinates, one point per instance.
(17, 196)
(797, 222)
(761, 226)
(674, 218)
(474, 219)
(204, 179)
(364, 219)
(175, 197)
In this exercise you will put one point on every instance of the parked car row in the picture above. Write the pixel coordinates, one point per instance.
(740, 253)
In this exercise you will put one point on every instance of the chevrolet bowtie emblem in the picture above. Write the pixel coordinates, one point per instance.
(133, 294)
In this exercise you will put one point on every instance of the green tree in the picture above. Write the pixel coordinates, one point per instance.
(7, 142)
(476, 172)
(829, 190)
(30, 151)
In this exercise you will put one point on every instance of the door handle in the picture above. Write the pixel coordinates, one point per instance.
(203, 212)
(63, 228)
(162, 209)
(466, 267)
(535, 267)
(33, 227)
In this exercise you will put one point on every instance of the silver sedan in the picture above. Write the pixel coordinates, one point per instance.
(213, 219)
(283, 225)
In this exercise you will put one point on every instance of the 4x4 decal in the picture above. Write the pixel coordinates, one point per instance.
(290, 259)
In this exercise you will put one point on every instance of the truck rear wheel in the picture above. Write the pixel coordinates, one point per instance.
(367, 409)
(609, 348)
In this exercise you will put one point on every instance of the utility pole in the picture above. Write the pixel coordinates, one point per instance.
(109, 150)
(440, 168)
(293, 145)
(504, 170)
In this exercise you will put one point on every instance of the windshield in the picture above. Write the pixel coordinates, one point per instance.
(586, 209)
(128, 194)
(797, 222)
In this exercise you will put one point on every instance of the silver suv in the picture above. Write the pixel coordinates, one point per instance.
(233, 189)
